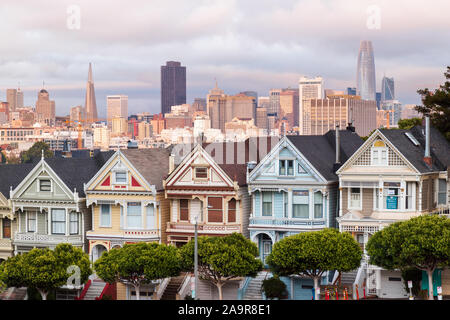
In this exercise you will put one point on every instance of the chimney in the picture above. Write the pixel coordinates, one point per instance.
(427, 156)
(171, 163)
(337, 163)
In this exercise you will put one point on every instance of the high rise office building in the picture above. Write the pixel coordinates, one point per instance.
(365, 72)
(274, 101)
(90, 104)
(378, 99)
(309, 88)
(45, 108)
(117, 107)
(19, 99)
(11, 98)
(387, 89)
(173, 85)
(289, 106)
(351, 91)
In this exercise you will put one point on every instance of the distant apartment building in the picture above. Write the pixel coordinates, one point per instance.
(77, 115)
(261, 118)
(17, 134)
(158, 123)
(199, 104)
(45, 108)
(274, 101)
(395, 109)
(119, 126)
(11, 98)
(4, 112)
(289, 106)
(173, 85)
(308, 88)
(321, 115)
(117, 106)
(223, 108)
(144, 130)
(409, 111)
(102, 136)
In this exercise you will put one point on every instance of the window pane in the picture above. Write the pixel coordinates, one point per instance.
(184, 209)
(58, 221)
(134, 215)
(150, 217)
(215, 213)
(318, 205)
(6, 223)
(201, 173)
(300, 211)
(105, 215)
(121, 177)
(45, 185)
(31, 221)
(232, 210)
(282, 167)
(267, 204)
(290, 167)
(73, 223)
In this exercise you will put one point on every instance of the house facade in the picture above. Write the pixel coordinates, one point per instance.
(128, 205)
(294, 189)
(392, 177)
(49, 203)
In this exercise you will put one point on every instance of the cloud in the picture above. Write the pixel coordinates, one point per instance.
(246, 45)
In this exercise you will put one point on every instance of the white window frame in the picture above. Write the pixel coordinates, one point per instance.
(349, 195)
(27, 222)
(400, 197)
(286, 174)
(109, 213)
(201, 167)
(52, 221)
(115, 176)
(74, 214)
(379, 152)
(438, 192)
(141, 216)
(147, 208)
(45, 179)
(262, 204)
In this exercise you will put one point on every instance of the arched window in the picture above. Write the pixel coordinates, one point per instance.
(232, 210)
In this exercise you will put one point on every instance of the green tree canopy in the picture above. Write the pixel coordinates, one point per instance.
(221, 259)
(422, 242)
(36, 152)
(46, 269)
(313, 253)
(407, 124)
(138, 264)
(436, 104)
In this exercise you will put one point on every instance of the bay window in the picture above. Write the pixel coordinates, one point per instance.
(300, 204)
(105, 215)
(391, 194)
(58, 221)
(267, 203)
(318, 205)
(134, 215)
(31, 223)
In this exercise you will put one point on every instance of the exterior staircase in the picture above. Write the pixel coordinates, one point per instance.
(254, 291)
(14, 293)
(95, 290)
(170, 293)
(348, 278)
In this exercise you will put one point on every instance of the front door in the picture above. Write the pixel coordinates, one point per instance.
(267, 249)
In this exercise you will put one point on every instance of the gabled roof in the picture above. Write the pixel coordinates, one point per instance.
(11, 175)
(152, 164)
(74, 172)
(254, 149)
(439, 147)
(320, 151)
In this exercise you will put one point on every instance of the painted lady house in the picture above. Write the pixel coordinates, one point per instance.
(395, 175)
(50, 205)
(209, 186)
(128, 205)
(295, 189)
(11, 176)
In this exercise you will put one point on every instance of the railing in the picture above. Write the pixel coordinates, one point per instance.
(5, 243)
(442, 210)
(203, 227)
(243, 289)
(161, 288)
(35, 237)
(184, 288)
(85, 289)
(290, 222)
(358, 285)
(110, 290)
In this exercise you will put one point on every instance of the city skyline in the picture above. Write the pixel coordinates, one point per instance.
(226, 45)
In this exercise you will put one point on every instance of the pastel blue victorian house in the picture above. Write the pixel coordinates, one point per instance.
(294, 189)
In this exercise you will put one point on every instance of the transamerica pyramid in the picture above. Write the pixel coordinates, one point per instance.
(90, 105)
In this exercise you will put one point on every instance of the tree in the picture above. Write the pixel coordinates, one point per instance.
(313, 253)
(407, 124)
(36, 152)
(436, 104)
(45, 269)
(221, 259)
(274, 288)
(422, 242)
(138, 264)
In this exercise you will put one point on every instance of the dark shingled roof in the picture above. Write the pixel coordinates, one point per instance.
(152, 164)
(320, 151)
(439, 147)
(252, 149)
(74, 172)
(12, 175)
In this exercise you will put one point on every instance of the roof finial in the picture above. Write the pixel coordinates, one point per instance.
(42, 154)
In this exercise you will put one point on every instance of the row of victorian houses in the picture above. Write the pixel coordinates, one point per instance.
(264, 188)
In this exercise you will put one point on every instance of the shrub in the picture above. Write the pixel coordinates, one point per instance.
(274, 288)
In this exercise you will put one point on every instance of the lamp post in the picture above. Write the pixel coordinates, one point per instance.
(195, 259)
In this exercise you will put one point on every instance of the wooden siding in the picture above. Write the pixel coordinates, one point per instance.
(344, 200)
(244, 210)
(333, 203)
(164, 212)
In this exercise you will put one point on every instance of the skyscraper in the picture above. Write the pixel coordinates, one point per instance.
(11, 98)
(90, 104)
(387, 89)
(309, 88)
(117, 107)
(173, 85)
(45, 108)
(19, 99)
(365, 72)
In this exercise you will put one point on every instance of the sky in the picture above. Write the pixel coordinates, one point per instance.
(246, 45)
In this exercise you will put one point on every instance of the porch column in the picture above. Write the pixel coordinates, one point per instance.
(378, 281)
(49, 222)
(289, 203)
(67, 221)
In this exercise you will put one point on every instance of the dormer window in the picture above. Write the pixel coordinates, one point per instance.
(379, 154)
(201, 173)
(45, 185)
(286, 167)
(121, 177)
